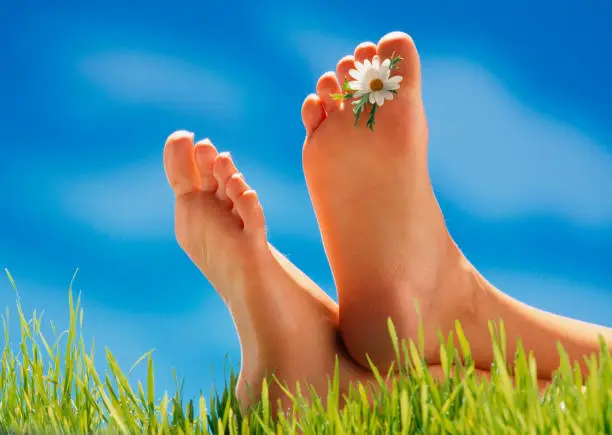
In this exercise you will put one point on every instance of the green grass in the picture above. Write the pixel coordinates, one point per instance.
(53, 387)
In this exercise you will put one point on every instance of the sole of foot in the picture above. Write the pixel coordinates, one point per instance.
(382, 228)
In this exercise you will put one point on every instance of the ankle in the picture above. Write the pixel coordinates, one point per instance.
(464, 287)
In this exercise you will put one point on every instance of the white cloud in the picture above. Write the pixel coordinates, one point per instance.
(128, 202)
(296, 31)
(135, 202)
(154, 79)
(489, 152)
(500, 158)
(308, 45)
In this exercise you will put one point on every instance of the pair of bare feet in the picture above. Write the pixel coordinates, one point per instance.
(385, 238)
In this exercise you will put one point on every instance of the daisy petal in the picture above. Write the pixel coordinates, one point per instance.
(358, 85)
(372, 98)
(367, 64)
(395, 79)
(376, 62)
(386, 64)
(356, 74)
(359, 66)
(391, 86)
(387, 95)
(384, 72)
(359, 94)
(370, 75)
(380, 100)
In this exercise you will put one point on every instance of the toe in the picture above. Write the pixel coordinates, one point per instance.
(313, 113)
(365, 50)
(223, 169)
(246, 203)
(326, 86)
(409, 67)
(236, 186)
(249, 209)
(179, 163)
(346, 64)
(205, 155)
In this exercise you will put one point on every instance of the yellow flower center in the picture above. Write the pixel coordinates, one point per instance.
(376, 85)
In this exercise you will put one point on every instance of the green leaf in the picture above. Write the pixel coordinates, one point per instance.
(370, 122)
(359, 106)
(394, 340)
(395, 59)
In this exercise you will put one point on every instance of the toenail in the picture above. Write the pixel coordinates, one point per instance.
(395, 35)
(329, 79)
(180, 134)
(313, 98)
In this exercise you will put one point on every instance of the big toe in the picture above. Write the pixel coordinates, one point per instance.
(400, 43)
(179, 163)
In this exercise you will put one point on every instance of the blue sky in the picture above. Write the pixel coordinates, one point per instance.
(517, 97)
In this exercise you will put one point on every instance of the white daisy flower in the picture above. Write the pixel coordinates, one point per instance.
(373, 84)
(373, 78)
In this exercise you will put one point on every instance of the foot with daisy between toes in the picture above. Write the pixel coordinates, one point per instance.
(365, 164)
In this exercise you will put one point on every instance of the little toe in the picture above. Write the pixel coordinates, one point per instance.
(223, 169)
(179, 163)
(313, 113)
(250, 211)
(326, 86)
(400, 43)
(365, 50)
(346, 64)
(205, 155)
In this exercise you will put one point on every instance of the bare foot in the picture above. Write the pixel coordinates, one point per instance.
(386, 238)
(286, 324)
(382, 227)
